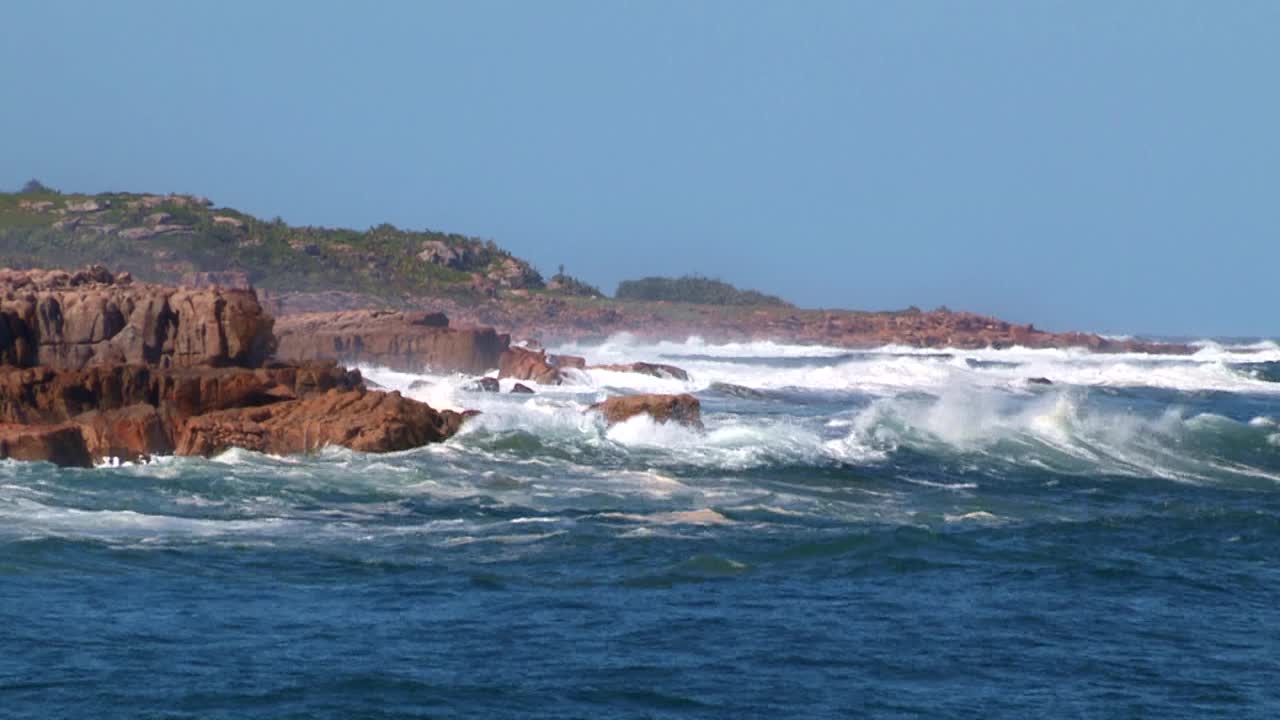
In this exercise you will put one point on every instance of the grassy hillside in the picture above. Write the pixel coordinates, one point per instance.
(160, 237)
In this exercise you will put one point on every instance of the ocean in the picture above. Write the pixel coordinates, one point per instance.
(886, 533)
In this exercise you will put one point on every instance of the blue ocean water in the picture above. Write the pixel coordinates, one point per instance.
(894, 533)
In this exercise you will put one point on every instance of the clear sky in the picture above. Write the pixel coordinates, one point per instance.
(1100, 165)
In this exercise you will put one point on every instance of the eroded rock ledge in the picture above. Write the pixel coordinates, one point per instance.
(404, 341)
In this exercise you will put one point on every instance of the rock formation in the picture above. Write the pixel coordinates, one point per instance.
(93, 365)
(404, 341)
(684, 409)
(61, 319)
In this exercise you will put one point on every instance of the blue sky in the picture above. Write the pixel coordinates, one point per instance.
(1093, 165)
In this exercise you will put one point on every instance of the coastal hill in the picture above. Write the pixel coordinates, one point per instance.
(185, 239)
(160, 238)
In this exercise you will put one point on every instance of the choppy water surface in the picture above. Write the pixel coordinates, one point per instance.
(887, 533)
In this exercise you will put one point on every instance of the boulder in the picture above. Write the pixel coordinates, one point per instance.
(413, 342)
(523, 364)
(684, 408)
(658, 370)
(521, 389)
(360, 420)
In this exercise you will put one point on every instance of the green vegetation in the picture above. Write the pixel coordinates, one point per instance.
(160, 237)
(565, 284)
(694, 289)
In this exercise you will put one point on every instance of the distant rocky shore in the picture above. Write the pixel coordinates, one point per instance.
(550, 319)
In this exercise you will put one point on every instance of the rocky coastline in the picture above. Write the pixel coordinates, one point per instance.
(549, 319)
(96, 367)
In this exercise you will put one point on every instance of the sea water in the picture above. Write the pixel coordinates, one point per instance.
(886, 533)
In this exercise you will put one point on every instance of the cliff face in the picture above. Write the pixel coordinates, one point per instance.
(94, 365)
(71, 320)
(404, 341)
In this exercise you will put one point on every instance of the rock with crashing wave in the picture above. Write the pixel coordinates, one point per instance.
(484, 384)
(93, 366)
(658, 370)
(522, 364)
(404, 341)
(356, 419)
(684, 409)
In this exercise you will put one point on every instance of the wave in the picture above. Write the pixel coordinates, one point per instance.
(893, 369)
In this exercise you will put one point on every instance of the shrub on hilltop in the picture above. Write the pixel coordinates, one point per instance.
(694, 289)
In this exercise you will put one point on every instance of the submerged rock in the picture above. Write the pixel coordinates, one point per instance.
(1039, 381)
(484, 384)
(521, 389)
(684, 409)
(670, 372)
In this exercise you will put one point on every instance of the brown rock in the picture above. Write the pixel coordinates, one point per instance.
(404, 341)
(72, 320)
(525, 364)
(129, 434)
(684, 409)
(61, 444)
(568, 361)
(521, 389)
(364, 421)
(45, 395)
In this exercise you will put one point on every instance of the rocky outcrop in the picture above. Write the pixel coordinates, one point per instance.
(72, 320)
(93, 365)
(132, 412)
(537, 365)
(61, 444)
(357, 419)
(658, 370)
(523, 364)
(683, 409)
(404, 341)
